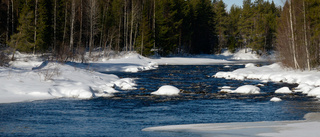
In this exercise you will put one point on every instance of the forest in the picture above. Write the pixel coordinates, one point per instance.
(68, 29)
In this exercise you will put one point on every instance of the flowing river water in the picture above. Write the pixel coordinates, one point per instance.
(128, 112)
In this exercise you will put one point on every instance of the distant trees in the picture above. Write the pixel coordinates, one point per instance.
(298, 34)
(68, 28)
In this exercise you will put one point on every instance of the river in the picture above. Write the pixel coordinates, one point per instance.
(128, 112)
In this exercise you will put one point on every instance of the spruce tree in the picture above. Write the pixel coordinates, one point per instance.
(23, 40)
(220, 23)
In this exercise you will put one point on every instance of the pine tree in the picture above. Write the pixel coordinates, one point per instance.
(233, 28)
(246, 23)
(220, 23)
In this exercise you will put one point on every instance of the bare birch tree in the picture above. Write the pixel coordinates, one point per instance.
(305, 35)
(93, 18)
(293, 42)
(73, 14)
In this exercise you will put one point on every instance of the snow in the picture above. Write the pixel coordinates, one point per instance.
(283, 90)
(307, 80)
(275, 99)
(246, 89)
(224, 58)
(128, 62)
(167, 90)
(315, 92)
(308, 127)
(29, 78)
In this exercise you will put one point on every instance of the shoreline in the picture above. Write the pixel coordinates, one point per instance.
(263, 128)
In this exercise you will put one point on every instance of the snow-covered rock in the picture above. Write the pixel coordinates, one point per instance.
(247, 89)
(167, 90)
(125, 84)
(275, 99)
(304, 88)
(315, 92)
(250, 65)
(283, 90)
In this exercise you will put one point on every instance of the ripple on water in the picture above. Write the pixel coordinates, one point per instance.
(127, 113)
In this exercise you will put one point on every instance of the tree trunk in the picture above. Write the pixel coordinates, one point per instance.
(12, 18)
(135, 36)
(80, 31)
(131, 30)
(92, 24)
(296, 65)
(55, 25)
(154, 24)
(102, 27)
(119, 35)
(35, 27)
(73, 12)
(8, 21)
(125, 24)
(305, 36)
(65, 24)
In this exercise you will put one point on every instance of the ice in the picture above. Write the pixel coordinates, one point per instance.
(283, 90)
(275, 99)
(301, 128)
(167, 90)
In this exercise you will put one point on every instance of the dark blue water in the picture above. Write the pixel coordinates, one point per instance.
(127, 113)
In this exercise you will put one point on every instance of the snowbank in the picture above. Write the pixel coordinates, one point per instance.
(29, 78)
(224, 58)
(57, 80)
(167, 90)
(308, 80)
(129, 62)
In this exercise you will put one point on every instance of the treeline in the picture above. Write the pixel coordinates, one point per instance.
(71, 27)
(299, 34)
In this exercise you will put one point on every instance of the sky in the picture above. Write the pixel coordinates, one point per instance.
(239, 2)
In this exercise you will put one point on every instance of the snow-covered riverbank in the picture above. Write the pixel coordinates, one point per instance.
(309, 81)
(29, 78)
(224, 58)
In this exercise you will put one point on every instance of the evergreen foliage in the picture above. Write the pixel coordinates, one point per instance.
(69, 27)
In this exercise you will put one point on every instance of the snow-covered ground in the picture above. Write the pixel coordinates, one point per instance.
(224, 58)
(29, 78)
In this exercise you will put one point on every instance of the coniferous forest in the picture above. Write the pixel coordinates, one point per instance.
(70, 28)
